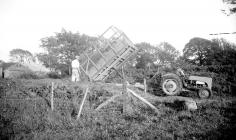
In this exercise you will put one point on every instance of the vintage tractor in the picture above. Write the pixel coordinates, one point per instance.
(173, 83)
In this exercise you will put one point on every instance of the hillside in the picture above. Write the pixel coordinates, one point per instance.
(26, 114)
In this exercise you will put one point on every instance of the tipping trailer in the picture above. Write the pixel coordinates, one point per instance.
(113, 50)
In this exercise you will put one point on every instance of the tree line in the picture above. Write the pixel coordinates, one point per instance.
(215, 58)
(61, 49)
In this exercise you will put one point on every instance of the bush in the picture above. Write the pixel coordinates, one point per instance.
(54, 75)
(30, 75)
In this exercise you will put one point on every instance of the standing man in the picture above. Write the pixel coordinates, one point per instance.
(75, 70)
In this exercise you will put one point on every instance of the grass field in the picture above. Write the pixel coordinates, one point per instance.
(26, 114)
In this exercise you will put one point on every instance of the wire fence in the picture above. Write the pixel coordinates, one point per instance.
(49, 101)
(34, 101)
(11, 102)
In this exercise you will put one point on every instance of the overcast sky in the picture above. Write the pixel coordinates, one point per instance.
(24, 22)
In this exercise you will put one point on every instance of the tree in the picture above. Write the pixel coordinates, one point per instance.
(62, 48)
(197, 50)
(21, 56)
(1, 62)
(146, 55)
(231, 7)
(210, 52)
(224, 52)
(167, 53)
(49, 61)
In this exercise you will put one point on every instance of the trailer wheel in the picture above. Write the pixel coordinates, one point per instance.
(171, 84)
(204, 93)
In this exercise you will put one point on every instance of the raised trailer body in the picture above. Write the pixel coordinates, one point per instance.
(113, 50)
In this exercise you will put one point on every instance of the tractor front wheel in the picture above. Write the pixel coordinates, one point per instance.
(204, 93)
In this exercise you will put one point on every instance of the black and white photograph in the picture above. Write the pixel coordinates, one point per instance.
(117, 69)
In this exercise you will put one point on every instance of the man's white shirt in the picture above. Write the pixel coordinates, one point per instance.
(75, 64)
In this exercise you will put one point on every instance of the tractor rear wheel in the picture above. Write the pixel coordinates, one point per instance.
(204, 93)
(171, 84)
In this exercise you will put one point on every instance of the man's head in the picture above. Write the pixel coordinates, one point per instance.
(77, 57)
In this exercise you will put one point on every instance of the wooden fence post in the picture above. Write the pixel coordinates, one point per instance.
(52, 105)
(144, 100)
(35, 106)
(145, 85)
(5, 99)
(82, 104)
